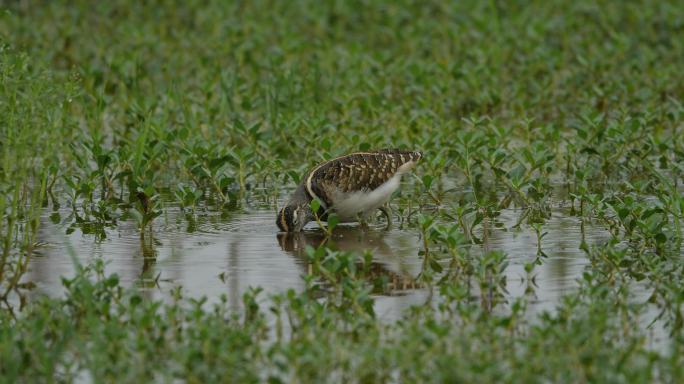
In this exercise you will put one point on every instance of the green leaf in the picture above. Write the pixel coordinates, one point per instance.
(427, 181)
(622, 213)
(478, 219)
(135, 300)
(294, 176)
(112, 281)
(315, 205)
(137, 216)
(333, 220)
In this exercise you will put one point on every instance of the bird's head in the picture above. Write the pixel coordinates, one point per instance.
(293, 217)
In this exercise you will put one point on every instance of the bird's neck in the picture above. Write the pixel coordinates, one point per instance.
(300, 197)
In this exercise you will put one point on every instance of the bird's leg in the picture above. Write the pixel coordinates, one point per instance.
(388, 215)
(361, 218)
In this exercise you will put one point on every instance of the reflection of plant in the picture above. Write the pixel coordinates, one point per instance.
(489, 273)
(430, 263)
(540, 235)
(96, 218)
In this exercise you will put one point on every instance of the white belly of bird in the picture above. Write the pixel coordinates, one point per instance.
(349, 206)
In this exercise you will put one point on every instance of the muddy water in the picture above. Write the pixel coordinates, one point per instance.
(224, 254)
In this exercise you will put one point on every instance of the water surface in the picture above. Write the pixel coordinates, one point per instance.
(213, 254)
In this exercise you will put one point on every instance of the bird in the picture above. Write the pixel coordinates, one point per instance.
(352, 186)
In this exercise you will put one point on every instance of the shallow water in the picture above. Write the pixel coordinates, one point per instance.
(224, 254)
(217, 256)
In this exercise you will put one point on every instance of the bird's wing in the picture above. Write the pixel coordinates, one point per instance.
(361, 171)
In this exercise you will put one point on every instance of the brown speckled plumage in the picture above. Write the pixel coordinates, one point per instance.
(353, 186)
(360, 171)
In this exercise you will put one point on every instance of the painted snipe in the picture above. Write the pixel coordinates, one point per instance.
(352, 186)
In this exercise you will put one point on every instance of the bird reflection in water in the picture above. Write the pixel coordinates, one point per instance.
(148, 251)
(386, 264)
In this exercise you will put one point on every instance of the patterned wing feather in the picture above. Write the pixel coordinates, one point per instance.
(361, 171)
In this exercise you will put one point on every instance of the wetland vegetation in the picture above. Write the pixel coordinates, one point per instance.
(552, 141)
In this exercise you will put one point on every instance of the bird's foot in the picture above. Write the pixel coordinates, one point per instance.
(363, 222)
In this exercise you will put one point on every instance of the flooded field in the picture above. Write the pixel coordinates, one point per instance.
(226, 254)
(531, 154)
(210, 254)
